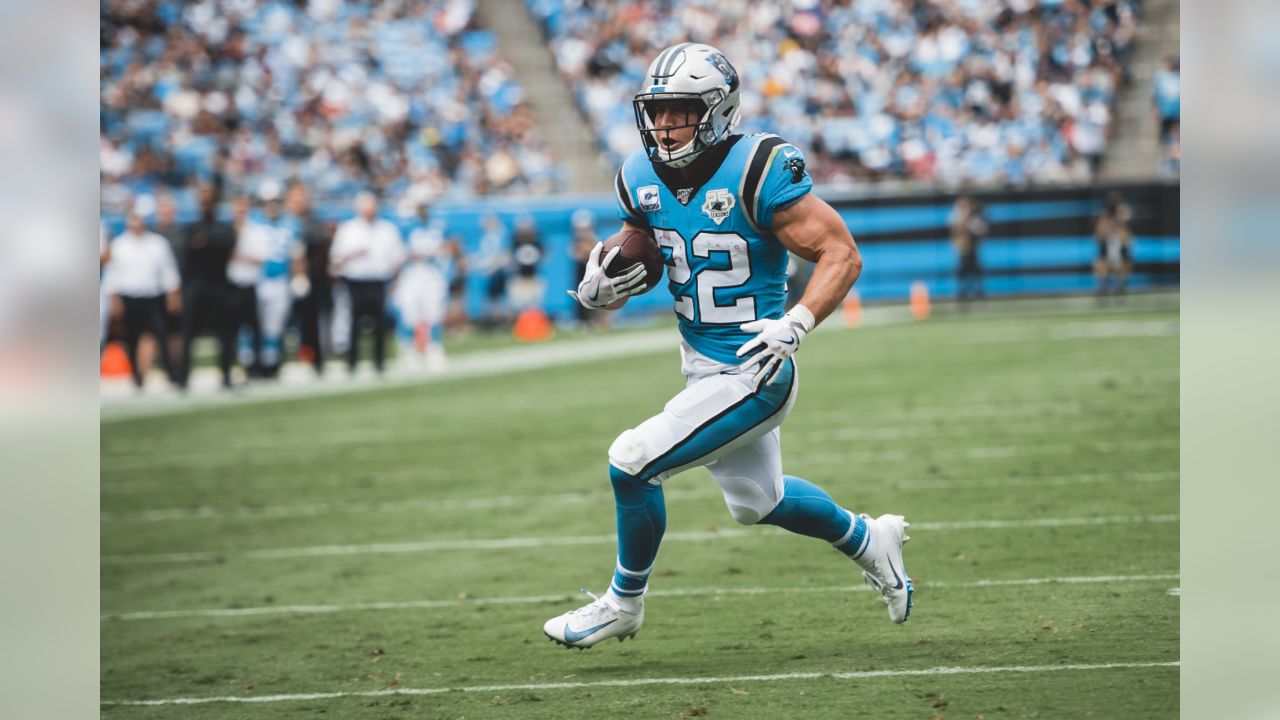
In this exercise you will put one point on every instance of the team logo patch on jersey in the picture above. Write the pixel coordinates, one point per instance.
(718, 204)
(795, 166)
(647, 198)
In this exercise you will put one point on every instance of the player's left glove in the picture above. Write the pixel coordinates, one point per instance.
(777, 340)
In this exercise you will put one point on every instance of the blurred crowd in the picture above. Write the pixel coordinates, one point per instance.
(1012, 91)
(408, 98)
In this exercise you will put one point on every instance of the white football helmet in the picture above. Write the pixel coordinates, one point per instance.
(689, 71)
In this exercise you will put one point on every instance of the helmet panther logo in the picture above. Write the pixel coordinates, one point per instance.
(721, 63)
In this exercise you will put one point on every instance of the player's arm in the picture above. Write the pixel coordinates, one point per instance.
(813, 230)
(810, 228)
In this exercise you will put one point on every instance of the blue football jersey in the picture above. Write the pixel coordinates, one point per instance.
(724, 265)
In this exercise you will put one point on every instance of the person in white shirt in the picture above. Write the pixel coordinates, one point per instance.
(420, 295)
(243, 273)
(367, 253)
(142, 279)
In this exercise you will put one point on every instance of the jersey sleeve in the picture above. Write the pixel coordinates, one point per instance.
(775, 179)
(625, 195)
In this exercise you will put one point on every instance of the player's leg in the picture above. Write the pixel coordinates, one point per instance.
(710, 417)
(273, 313)
(134, 322)
(756, 491)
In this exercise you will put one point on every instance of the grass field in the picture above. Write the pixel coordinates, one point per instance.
(393, 553)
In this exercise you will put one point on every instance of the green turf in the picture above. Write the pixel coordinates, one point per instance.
(1020, 419)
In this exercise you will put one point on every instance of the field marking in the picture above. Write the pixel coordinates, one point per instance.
(986, 453)
(134, 486)
(572, 540)
(677, 592)
(208, 512)
(641, 682)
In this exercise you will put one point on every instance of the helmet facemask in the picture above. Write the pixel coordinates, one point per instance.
(697, 117)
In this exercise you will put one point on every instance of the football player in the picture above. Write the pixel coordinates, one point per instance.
(725, 210)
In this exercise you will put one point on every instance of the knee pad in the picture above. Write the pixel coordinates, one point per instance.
(628, 453)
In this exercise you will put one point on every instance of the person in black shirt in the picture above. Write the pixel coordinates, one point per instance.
(315, 306)
(527, 253)
(207, 244)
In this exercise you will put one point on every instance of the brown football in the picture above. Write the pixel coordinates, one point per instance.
(637, 247)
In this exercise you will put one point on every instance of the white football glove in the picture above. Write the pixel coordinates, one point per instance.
(598, 290)
(777, 340)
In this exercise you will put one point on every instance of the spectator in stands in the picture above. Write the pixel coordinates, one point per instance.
(1167, 91)
(367, 253)
(314, 306)
(1115, 240)
(142, 279)
(244, 270)
(968, 226)
(342, 95)
(875, 90)
(208, 243)
(527, 288)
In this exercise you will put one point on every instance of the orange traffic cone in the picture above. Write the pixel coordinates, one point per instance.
(533, 325)
(919, 300)
(115, 363)
(852, 309)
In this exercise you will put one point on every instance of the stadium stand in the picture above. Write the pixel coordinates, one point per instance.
(410, 98)
(984, 91)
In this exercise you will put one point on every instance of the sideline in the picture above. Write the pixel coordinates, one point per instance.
(117, 403)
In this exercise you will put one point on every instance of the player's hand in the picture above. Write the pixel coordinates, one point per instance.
(776, 340)
(598, 290)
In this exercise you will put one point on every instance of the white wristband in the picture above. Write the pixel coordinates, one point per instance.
(802, 315)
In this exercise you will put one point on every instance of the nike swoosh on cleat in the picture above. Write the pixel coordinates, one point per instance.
(896, 576)
(572, 637)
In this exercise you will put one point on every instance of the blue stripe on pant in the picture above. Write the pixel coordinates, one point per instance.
(641, 510)
(729, 425)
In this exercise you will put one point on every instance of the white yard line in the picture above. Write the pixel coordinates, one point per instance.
(641, 682)
(572, 540)
(676, 592)
(982, 453)
(207, 512)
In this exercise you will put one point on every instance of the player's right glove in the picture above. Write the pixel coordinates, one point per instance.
(598, 290)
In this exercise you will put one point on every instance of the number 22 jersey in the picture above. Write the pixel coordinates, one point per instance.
(724, 265)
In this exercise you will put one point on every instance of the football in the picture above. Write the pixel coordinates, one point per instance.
(637, 247)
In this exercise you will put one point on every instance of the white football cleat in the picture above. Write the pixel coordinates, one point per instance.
(885, 570)
(597, 620)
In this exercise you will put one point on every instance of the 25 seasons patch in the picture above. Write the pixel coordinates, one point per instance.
(718, 204)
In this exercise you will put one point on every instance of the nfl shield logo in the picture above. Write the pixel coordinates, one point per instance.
(648, 199)
(718, 204)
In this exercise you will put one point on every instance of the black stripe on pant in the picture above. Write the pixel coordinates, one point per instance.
(368, 300)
